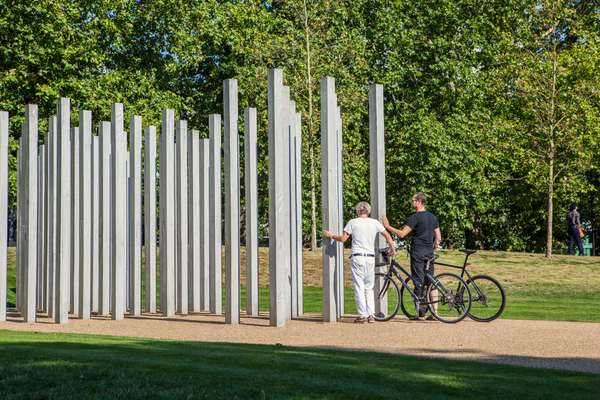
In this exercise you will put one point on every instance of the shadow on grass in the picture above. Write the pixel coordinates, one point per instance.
(582, 364)
(59, 366)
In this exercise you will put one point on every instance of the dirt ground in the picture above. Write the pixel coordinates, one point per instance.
(548, 344)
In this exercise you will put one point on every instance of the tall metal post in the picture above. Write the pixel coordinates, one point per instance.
(135, 216)
(4, 133)
(167, 214)
(377, 172)
(118, 212)
(232, 201)
(182, 217)
(214, 127)
(63, 215)
(150, 217)
(279, 218)
(250, 179)
(194, 222)
(329, 176)
(85, 213)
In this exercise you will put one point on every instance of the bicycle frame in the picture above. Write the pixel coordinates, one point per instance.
(464, 271)
(393, 270)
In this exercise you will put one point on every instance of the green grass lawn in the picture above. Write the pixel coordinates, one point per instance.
(561, 288)
(65, 366)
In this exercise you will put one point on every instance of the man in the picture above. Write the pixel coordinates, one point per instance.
(574, 224)
(364, 231)
(426, 237)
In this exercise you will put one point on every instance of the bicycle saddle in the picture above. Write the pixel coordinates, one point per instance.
(468, 252)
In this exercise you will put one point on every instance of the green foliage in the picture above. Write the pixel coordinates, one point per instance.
(465, 83)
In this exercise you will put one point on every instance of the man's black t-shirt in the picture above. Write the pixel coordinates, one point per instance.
(422, 224)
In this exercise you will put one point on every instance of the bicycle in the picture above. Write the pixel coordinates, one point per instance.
(450, 305)
(488, 297)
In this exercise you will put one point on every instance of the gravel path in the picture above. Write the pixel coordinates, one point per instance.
(549, 344)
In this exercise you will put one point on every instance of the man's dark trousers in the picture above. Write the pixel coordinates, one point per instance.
(574, 238)
(418, 263)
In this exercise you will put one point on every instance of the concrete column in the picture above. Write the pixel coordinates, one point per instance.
(51, 233)
(85, 213)
(63, 214)
(167, 214)
(75, 240)
(232, 201)
(297, 169)
(250, 185)
(46, 205)
(126, 292)
(19, 269)
(194, 222)
(104, 231)
(95, 217)
(29, 206)
(182, 217)
(118, 212)
(41, 235)
(377, 172)
(329, 176)
(4, 133)
(279, 218)
(291, 121)
(150, 217)
(214, 127)
(339, 267)
(205, 224)
(295, 179)
(42, 259)
(135, 216)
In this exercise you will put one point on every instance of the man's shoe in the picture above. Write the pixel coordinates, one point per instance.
(414, 318)
(360, 320)
(430, 318)
(371, 319)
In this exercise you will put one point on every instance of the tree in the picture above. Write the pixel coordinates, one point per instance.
(556, 86)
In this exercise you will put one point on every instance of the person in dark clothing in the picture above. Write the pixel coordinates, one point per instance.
(426, 236)
(573, 225)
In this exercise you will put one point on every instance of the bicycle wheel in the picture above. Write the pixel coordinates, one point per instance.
(452, 301)
(407, 301)
(391, 294)
(488, 298)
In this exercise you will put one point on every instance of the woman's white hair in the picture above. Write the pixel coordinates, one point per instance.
(363, 207)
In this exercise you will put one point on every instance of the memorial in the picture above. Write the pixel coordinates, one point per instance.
(85, 259)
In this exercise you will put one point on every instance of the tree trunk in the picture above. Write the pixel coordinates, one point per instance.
(550, 206)
(311, 141)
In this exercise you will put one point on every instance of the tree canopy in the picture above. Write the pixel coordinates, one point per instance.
(491, 108)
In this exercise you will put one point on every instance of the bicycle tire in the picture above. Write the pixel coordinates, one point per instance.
(450, 298)
(384, 291)
(407, 310)
(476, 299)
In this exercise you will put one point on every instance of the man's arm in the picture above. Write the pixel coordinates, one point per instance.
(401, 233)
(338, 238)
(390, 241)
(438, 238)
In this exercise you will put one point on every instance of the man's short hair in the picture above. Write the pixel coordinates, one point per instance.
(363, 207)
(420, 197)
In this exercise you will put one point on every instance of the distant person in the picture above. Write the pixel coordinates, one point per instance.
(426, 236)
(364, 231)
(574, 227)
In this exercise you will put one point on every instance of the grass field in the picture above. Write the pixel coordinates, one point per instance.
(59, 366)
(560, 288)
